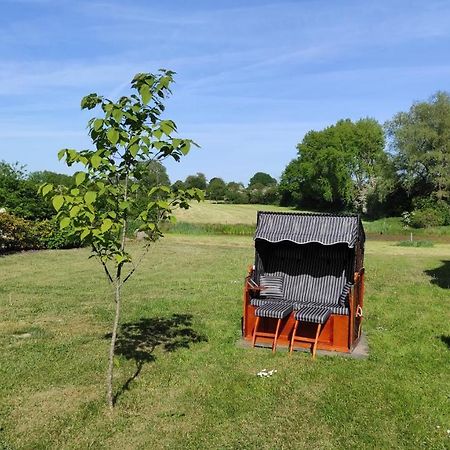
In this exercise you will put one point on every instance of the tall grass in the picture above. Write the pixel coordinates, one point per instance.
(240, 229)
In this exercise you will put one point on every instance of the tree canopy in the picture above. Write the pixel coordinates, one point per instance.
(420, 141)
(262, 179)
(337, 167)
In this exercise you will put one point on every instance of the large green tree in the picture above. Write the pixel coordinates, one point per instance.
(127, 135)
(261, 178)
(420, 141)
(196, 181)
(217, 189)
(338, 167)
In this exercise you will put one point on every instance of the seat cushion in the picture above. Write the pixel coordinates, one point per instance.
(276, 310)
(258, 301)
(335, 309)
(315, 314)
(272, 286)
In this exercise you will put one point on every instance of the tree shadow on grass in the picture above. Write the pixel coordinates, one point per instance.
(441, 275)
(446, 340)
(138, 340)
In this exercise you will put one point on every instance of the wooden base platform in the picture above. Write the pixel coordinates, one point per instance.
(361, 351)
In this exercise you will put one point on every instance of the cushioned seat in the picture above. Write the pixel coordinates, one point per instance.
(278, 310)
(335, 309)
(264, 301)
(315, 314)
(271, 310)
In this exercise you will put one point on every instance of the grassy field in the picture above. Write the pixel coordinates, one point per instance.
(217, 218)
(208, 212)
(188, 385)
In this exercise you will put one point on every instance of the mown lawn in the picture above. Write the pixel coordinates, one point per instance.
(197, 389)
(209, 212)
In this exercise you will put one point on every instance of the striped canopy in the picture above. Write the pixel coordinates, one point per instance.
(305, 228)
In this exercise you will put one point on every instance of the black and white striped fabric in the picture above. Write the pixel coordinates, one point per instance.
(271, 286)
(276, 310)
(302, 228)
(344, 294)
(340, 310)
(311, 273)
(315, 314)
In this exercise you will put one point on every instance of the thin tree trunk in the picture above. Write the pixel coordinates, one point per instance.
(113, 346)
(117, 285)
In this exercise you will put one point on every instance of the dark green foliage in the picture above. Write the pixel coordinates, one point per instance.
(420, 139)
(197, 181)
(217, 189)
(22, 234)
(264, 195)
(338, 167)
(19, 196)
(263, 179)
(236, 193)
(46, 176)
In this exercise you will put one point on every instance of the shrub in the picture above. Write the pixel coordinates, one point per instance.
(16, 233)
(430, 213)
(21, 234)
(50, 236)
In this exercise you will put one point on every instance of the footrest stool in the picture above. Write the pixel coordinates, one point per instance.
(277, 311)
(313, 314)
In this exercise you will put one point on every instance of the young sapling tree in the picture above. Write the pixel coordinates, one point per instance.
(128, 134)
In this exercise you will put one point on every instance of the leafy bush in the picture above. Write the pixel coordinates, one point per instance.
(16, 233)
(49, 235)
(21, 234)
(430, 213)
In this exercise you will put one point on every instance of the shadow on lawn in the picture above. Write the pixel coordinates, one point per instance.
(446, 340)
(441, 275)
(138, 340)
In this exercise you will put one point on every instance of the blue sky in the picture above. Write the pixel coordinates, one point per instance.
(252, 76)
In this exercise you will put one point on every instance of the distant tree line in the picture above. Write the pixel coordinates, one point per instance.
(399, 168)
(402, 167)
(262, 189)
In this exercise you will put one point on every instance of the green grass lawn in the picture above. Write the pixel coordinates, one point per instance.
(197, 389)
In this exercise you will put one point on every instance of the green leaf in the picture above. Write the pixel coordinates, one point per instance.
(90, 197)
(79, 178)
(58, 201)
(98, 123)
(134, 150)
(144, 91)
(74, 211)
(166, 128)
(75, 191)
(106, 225)
(46, 189)
(112, 135)
(185, 148)
(117, 114)
(65, 222)
(124, 205)
(86, 232)
(134, 187)
(96, 161)
(61, 154)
